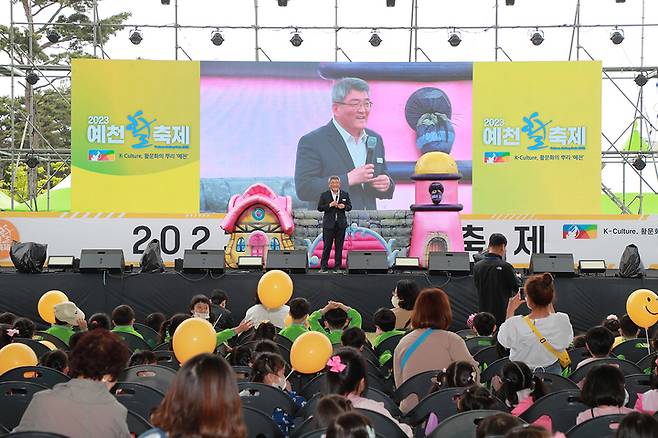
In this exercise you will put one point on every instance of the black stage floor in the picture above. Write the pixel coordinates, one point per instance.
(586, 299)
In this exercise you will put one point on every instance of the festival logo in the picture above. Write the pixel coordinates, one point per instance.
(101, 155)
(8, 233)
(496, 157)
(579, 231)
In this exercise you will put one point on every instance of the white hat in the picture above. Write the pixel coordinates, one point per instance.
(68, 312)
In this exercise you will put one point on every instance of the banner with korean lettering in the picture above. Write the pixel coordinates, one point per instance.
(537, 138)
(135, 136)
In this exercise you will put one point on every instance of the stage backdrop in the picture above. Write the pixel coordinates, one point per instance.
(183, 137)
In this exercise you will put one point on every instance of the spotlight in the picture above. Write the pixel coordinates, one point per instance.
(31, 77)
(641, 80)
(32, 162)
(537, 37)
(617, 36)
(296, 40)
(216, 37)
(454, 39)
(509, 2)
(52, 35)
(390, 3)
(283, 2)
(165, 2)
(620, 1)
(639, 163)
(135, 36)
(375, 39)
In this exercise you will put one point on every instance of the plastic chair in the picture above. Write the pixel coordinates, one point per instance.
(140, 399)
(242, 373)
(283, 351)
(382, 424)
(137, 424)
(563, 407)
(308, 426)
(604, 426)
(14, 399)
(461, 425)
(380, 396)
(54, 339)
(577, 355)
(283, 341)
(265, 398)
(133, 342)
(259, 424)
(150, 336)
(479, 343)
(554, 382)
(47, 377)
(388, 344)
(465, 333)
(29, 434)
(165, 346)
(636, 384)
(420, 384)
(648, 363)
(155, 376)
(167, 359)
(315, 386)
(627, 368)
(486, 357)
(632, 350)
(36, 346)
(494, 369)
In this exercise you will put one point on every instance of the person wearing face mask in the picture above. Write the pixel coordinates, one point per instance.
(270, 368)
(200, 308)
(403, 300)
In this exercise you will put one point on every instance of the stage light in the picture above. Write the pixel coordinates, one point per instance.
(165, 2)
(390, 3)
(454, 39)
(52, 35)
(216, 37)
(620, 1)
(375, 39)
(283, 2)
(509, 2)
(32, 161)
(296, 40)
(641, 80)
(136, 36)
(617, 36)
(639, 163)
(31, 77)
(591, 266)
(537, 37)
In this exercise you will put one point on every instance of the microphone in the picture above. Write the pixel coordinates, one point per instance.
(371, 145)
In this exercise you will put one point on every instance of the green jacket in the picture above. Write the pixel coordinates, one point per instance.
(63, 332)
(224, 336)
(127, 329)
(333, 335)
(293, 332)
(385, 335)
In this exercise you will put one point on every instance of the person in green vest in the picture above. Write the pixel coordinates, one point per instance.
(67, 316)
(337, 317)
(384, 320)
(299, 309)
(123, 318)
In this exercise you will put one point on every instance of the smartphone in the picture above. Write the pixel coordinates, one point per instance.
(522, 293)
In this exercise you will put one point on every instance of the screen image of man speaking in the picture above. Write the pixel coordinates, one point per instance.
(346, 148)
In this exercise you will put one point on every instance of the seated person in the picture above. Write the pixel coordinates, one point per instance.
(200, 308)
(155, 320)
(350, 425)
(142, 357)
(240, 356)
(603, 392)
(67, 316)
(259, 313)
(99, 320)
(498, 424)
(223, 316)
(353, 337)
(628, 329)
(637, 425)
(7, 318)
(484, 324)
(264, 330)
(519, 388)
(384, 320)
(611, 322)
(648, 401)
(337, 317)
(598, 342)
(25, 328)
(329, 407)
(55, 359)
(168, 327)
(299, 310)
(123, 318)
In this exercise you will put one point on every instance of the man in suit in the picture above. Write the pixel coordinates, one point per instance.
(345, 147)
(334, 203)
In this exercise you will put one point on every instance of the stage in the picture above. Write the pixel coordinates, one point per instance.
(587, 300)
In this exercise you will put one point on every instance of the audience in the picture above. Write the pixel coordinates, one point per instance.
(259, 313)
(526, 431)
(67, 316)
(538, 338)
(7, 333)
(346, 375)
(168, 327)
(598, 342)
(200, 308)
(611, 322)
(155, 320)
(474, 397)
(25, 328)
(637, 425)
(123, 318)
(240, 356)
(459, 374)
(264, 330)
(299, 310)
(224, 317)
(628, 329)
(7, 318)
(55, 359)
(384, 320)
(353, 337)
(329, 408)
(100, 320)
(266, 346)
(498, 424)
(603, 392)
(83, 407)
(337, 317)
(351, 425)
(142, 357)
(403, 301)
(647, 402)
(520, 388)
(484, 324)
(202, 401)
(429, 346)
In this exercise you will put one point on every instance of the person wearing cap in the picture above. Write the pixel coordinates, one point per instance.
(67, 316)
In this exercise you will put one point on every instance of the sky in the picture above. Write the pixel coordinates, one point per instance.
(474, 19)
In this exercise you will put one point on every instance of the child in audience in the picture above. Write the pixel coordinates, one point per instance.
(578, 341)
(142, 357)
(637, 425)
(598, 342)
(100, 320)
(269, 368)
(240, 356)
(200, 307)
(459, 374)
(351, 425)
(532, 431)
(25, 328)
(155, 320)
(603, 392)
(329, 408)
(648, 401)
(484, 324)
(519, 389)
(628, 329)
(611, 322)
(337, 317)
(264, 330)
(353, 337)
(223, 316)
(7, 333)
(384, 320)
(299, 310)
(266, 346)
(168, 327)
(57, 360)
(123, 318)
(498, 424)
(474, 397)
(346, 375)
(7, 318)
(67, 316)
(259, 313)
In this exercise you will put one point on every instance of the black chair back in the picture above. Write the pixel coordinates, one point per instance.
(382, 424)
(486, 357)
(53, 339)
(36, 346)
(604, 426)
(554, 382)
(388, 344)
(461, 425)
(420, 384)
(155, 376)
(47, 377)
(137, 424)
(306, 427)
(648, 363)
(140, 399)
(265, 398)
(28, 434)
(465, 333)
(167, 359)
(283, 341)
(636, 384)
(494, 369)
(259, 424)
(150, 336)
(478, 343)
(563, 407)
(314, 386)
(577, 355)
(283, 351)
(14, 399)
(380, 396)
(165, 346)
(632, 350)
(133, 342)
(626, 367)
(242, 373)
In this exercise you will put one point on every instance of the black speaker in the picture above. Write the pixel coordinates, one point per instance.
(451, 262)
(557, 264)
(367, 262)
(95, 260)
(195, 260)
(292, 261)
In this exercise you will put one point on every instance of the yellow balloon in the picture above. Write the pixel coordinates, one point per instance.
(49, 345)
(642, 307)
(47, 303)
(274, 289)
(16, 355)
(310, 352)
(194, 336)
(288, 320)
